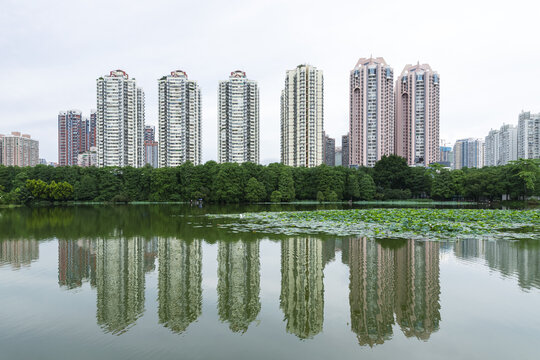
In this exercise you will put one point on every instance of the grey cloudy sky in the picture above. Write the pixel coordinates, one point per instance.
(51, 52)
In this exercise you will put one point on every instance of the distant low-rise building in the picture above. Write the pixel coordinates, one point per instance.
(88, 158)
(18, 150)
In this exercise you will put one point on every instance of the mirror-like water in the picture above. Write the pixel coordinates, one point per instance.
(163, 281)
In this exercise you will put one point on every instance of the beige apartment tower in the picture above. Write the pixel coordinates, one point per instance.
(302, 117)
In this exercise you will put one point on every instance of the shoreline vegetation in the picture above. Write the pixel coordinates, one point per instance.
(391, 179)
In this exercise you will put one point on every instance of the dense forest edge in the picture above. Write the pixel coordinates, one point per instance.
(390, 179)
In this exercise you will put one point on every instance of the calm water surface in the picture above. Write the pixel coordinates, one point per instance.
(165, 282)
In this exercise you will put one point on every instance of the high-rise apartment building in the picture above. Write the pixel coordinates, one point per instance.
(88, 158)
(120, 120)
(151, 153)
(149, 133)
(417, 115)
(329, 151)
(501, 146)
(339, 156)
(302, 117)
(70, 137)
(345, 150)
(469, 153)
(18, 150)
(76, 135)
(371, 125)
(179, 120)
(238, 119)
(446, 156)
(491, 153)
(528, 136)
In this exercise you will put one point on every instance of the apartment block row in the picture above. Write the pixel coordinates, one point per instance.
(501, 146)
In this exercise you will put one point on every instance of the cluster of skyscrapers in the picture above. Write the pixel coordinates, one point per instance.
(501, 146)
(382, 121)
(391, 116)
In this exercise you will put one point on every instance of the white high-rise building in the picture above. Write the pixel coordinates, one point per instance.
(469, 153)
(120, 121)
(179, 120)
(238, 119)
(491, 154)
(501, 146)
(528, 136)
(302, 117)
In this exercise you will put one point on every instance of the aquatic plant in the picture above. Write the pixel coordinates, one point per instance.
(432, 224)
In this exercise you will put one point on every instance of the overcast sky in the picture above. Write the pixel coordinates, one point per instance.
(51, 52)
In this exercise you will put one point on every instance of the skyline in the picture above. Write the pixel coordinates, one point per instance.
(475, 59)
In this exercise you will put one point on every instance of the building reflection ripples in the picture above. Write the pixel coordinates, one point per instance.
(392, 284)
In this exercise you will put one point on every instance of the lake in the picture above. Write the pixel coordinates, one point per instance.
(170, 282)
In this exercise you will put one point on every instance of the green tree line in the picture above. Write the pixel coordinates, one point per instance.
(390, 178)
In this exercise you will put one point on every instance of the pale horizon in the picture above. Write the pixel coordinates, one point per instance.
(487, 55)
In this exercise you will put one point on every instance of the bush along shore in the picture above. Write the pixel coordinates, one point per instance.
(389, 179)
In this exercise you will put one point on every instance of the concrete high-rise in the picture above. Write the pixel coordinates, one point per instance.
(417, 115)
(179, 120)
(528, 136)
(371, 123)
(70, 137)
(469, 153)
(18, 150)
(238, 119)
(302, 117)
(329, 151)
(345, 150)
(501, 146)
(491, 151)
(120, 121)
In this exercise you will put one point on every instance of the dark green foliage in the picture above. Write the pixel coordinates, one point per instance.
(390, 179)
(255, 191)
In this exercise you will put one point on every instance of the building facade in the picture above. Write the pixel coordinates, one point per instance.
(302, 117)
(528, 136)
(329, 151)
(469, 153)
(179, 120)
(446, 156)
(371, 122)
(151, 153)
(345, 150)
(120, 120)
(417, 115)
(238, 119)
(18, 150)
(88, 158)
(501, 146)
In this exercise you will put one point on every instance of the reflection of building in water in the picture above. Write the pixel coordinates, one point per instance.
(371, 291)
(150, 254)
(302, 291)
(238, 283)
(328, 251)
(521, 258)
(179, 283)
(76, 262)
(119, 282)
(512, 258)
(417, 288)
(18, 253)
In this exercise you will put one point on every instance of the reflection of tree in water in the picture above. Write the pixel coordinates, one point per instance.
(120, 282)
(18, 253)
(238, 283)
(302, 291)
(393, 277)
(179, 283)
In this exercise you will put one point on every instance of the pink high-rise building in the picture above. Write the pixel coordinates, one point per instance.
(371, 123)
(417, 115)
